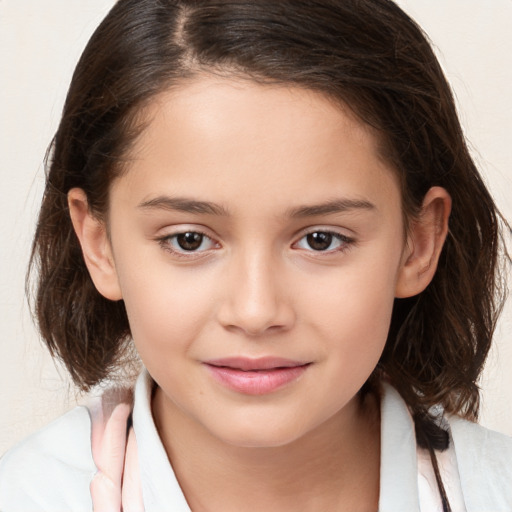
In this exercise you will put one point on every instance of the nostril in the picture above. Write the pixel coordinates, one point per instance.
(257, 328)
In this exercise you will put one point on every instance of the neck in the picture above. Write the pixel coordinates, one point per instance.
(334, 467)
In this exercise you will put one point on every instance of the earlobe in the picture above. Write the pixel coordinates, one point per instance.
(425, 241)
(95, 244)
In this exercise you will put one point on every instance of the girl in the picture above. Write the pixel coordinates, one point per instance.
(274, 204)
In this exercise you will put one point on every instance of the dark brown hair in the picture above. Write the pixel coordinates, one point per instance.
(367, 54)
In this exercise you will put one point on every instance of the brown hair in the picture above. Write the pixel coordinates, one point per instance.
(367, 54)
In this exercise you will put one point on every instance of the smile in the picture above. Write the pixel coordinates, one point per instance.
(255, 376)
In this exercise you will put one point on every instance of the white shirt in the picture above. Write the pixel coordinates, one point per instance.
(51, 470)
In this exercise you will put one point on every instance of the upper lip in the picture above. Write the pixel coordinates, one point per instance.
(260, 363)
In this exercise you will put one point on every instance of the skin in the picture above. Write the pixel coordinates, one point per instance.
(256, 287)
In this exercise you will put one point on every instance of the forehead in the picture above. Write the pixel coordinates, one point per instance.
(233, 137)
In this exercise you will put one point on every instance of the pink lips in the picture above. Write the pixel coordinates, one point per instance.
(255, 376)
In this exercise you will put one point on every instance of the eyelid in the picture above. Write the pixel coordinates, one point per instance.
(324, 229)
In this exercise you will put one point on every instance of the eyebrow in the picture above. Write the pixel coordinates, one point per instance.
(331, 207)
(183, 204)
(193, 206)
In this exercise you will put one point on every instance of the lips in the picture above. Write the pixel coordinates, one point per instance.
(256, 376)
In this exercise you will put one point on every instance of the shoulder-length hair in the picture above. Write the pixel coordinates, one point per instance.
(366, 54)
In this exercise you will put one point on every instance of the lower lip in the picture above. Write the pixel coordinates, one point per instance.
(256, 382)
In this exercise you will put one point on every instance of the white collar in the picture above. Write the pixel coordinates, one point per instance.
(160, 488)
(398, 460)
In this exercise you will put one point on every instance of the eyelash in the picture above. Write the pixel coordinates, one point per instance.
(345, 242)
(166, 242)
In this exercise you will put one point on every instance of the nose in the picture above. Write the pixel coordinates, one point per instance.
(256, 299)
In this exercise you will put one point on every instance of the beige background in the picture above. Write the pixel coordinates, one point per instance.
(40, 41)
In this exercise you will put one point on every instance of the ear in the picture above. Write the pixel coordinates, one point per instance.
(96, 247)
(425, 241)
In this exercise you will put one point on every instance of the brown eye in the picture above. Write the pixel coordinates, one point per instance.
(189, 241)
(324, 241)
(319, 240)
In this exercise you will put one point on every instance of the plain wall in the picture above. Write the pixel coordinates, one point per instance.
(40, 42)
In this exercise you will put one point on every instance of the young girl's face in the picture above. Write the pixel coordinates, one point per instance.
(258, 244)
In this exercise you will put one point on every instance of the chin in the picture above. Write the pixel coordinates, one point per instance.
(258, 434)
(257, 440)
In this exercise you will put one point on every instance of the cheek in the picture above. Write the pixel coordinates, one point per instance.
(353, 310)
(167, 309)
